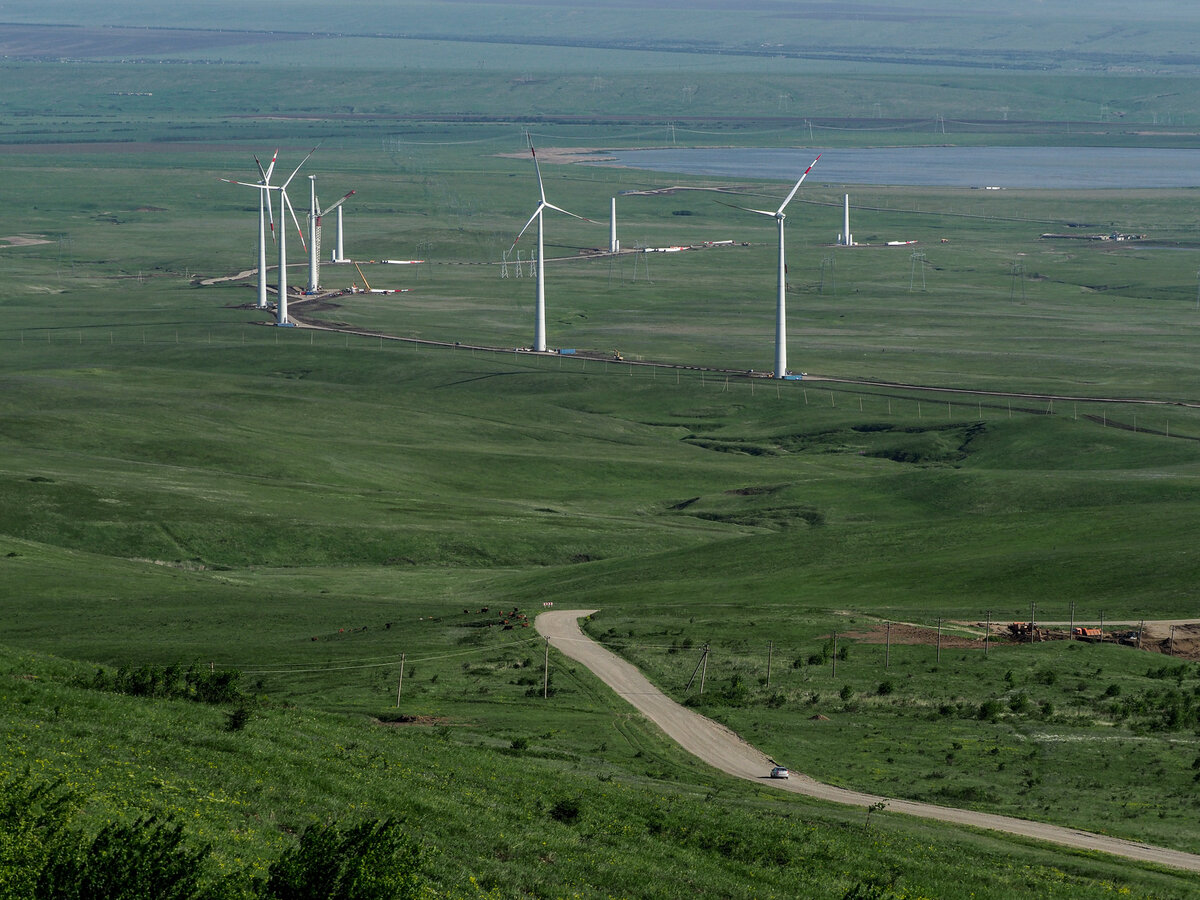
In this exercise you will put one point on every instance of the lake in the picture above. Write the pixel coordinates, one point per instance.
(1004, 167)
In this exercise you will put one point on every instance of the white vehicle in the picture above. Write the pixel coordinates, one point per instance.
(779, 772)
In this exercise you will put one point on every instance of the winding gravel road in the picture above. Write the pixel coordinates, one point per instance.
(721, 748)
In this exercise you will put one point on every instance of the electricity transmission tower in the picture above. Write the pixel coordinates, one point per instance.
(918, 260)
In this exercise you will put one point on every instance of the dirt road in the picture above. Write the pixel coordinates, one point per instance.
(721, 748)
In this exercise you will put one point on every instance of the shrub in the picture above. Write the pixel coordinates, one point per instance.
(886, 687)
(566, 811)
(125, 861)
(237, 719)
(735, 692)
(988, 711)
(33, 818)
(370, 861)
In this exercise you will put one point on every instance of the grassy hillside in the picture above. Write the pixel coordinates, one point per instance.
(580, 800)
(181, 484)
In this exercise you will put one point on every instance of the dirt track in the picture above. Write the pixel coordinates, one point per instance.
(721, 748)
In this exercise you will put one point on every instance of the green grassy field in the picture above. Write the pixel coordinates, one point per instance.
(179, 483)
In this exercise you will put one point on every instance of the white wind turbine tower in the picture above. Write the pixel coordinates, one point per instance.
(281, 317)
(314, 233)
(539, 328)
(338, 255)
(780, 304)
(264, 210)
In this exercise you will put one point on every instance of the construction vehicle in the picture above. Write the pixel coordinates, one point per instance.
(370, 290)
(1087, 634)
(1025, 631)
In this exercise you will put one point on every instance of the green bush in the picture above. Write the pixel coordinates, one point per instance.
(33, 819)
(370, 861)
(125, 861)
(566, 811)
(197, 683)
(988, 710)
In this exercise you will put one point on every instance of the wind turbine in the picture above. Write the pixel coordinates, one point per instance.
(780, 304)
(539, 327)
(338, 255)
(314, 233)
(264, 210)
(281, 317)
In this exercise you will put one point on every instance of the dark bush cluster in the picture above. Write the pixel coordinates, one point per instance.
(1163, 709)
(44, 855)
(172, 682)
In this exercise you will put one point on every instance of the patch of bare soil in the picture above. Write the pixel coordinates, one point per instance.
(1182, 641)
(407, 720)
(912, 634)
(22, 240)
(562, 155)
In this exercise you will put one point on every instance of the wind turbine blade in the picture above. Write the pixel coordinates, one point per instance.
(761, 212)
(797, 187)
(287, 202)
(571, 214)
(297, 169)
(270, 214)
(538, 169)
(537, 212)
(261, 172)
(271, 167)
(326, 212)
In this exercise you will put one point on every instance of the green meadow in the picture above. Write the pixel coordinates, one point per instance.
(993, 425)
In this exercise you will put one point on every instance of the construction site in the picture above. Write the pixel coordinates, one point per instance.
(1179, 639)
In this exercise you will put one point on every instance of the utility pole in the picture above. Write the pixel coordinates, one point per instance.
(770, 652)
(400, 683)
(887, 652)
(987, 634)
(704, 670)
(546, 672)
(835, 654)
(1072, 632)
(939, 641)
